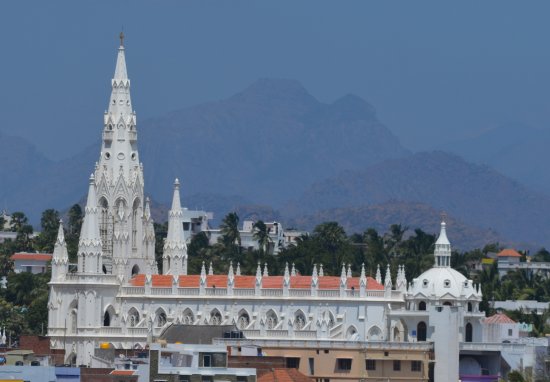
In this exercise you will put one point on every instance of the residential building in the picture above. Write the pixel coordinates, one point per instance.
(31, 262)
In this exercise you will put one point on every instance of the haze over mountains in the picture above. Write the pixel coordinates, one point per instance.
(274, 151)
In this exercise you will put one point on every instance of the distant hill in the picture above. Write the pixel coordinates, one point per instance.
(515, 150)
(265, 144)
(409, 214)
(474, 194)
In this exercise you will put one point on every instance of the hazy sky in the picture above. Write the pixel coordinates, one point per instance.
(435, 70)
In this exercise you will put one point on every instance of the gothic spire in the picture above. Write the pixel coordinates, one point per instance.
(60, 258)
(89, 246)
(175, 248)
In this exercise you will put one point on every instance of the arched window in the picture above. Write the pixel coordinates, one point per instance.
(271, 320)
(215, 317)
(375, 334)
(470, 307)
(135, 270)
(422, 305)
(421, 331)
(133, 317)
(109, 316)
(299, 320)
(188, 317)
(469, 332)
(351, 334)
(160, 318)
(107, 319)
(331, 320)
(244, 320)
(447, 303)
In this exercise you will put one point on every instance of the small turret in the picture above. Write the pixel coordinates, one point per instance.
(60, 258)
(175, 248)
(89, 246)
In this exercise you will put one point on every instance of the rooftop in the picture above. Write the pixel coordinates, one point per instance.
(499, 318)
(32, 256)
(508, 252)
(284, 375)
(268, 282)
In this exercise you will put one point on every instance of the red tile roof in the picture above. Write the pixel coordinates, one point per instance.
(32, 256)
(509, 252)
(122, 372)
(499, 318)
(284, 375)
(268, 282)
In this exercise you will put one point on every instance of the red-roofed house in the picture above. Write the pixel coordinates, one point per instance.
(31, 262)
(499, 328)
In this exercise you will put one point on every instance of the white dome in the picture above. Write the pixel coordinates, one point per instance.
(442, 282)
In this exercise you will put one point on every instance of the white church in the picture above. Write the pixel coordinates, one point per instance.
(116, 296)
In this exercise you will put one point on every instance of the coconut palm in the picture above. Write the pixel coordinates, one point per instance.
(261, 234)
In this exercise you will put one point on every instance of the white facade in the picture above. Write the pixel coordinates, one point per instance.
(116, 295)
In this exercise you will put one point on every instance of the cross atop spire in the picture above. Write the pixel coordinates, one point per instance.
(121, 36)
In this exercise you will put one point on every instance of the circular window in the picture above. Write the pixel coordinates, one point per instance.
(114, 102)
(134, 156)
(120, 156)
(107, 155)
(121, 102)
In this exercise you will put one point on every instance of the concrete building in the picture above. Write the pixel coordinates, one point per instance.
(194, 363)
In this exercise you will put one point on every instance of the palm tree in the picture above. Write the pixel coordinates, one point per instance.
(261, 234)
(230, 230)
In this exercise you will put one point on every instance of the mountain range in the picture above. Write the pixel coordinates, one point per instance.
(273, 151)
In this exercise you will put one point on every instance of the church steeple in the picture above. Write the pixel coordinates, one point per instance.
(60, 258)
(175, 248)
(89, 246)
(442, 251)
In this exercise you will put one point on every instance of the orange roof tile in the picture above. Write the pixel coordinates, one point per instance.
(284, 375)
(268, 282)
(275, 282)
(509, 252)
(190, 281)
(499, 318)
(244, 282)
(31, 256)
(122, 372)
(300, 282)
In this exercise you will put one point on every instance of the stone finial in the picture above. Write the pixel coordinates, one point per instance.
(210, 269)
(238, 272)
(343, 273)
(287, 272)
(293, 272)
(378, 275)
(387, 279)
(348, 275)
(363, 275)
(266, 273)
(259, 271)
(203, 271)
(321, 272)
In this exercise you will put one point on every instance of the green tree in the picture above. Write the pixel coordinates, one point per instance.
(49, 222)
(161, 230)
(230, 230)
(261, 234)
(73, 231)
(19, 224)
